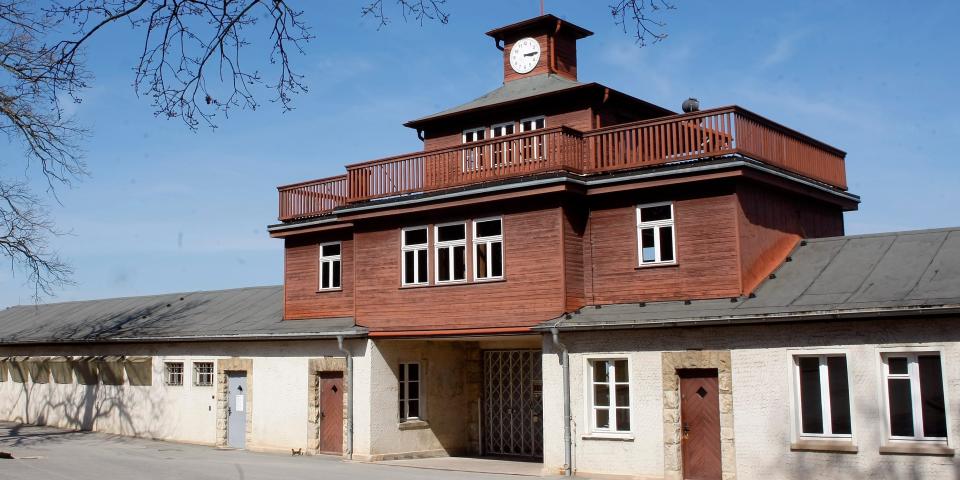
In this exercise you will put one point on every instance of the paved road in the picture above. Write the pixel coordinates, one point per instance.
(93, 456)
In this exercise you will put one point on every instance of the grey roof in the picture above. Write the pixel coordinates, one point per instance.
(869, 276)
(510, 91)
(237, 314)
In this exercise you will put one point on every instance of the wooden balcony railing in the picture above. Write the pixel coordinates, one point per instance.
(710, 133)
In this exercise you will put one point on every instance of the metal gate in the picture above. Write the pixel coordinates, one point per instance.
(512, 403)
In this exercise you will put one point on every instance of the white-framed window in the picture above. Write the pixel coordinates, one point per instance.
(173, 373)
(488, 249)
(450, 246)
(414, 252)
(473, 157)
(502, 152)
(410, 404)
(822, 392)
(330, 266)
(533, 123)
(656, 235)
(203, 374)
(532, 147)
(609, 395)
(914, 396)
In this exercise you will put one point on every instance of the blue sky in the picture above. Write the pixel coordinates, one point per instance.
(167, 209)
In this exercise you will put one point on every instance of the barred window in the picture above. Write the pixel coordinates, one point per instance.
(173, 373)
(203, 374)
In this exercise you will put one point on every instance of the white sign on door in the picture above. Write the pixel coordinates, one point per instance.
(240, 403)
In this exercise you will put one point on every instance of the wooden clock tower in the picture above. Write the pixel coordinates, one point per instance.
(545, 44)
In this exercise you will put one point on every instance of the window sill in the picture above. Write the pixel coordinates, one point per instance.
(824, 445)
(917, 448)
(329, 290)
(616, 437)
(413, 425)
(452, 284)
(656, 265)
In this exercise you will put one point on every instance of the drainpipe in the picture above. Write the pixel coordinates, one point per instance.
(349, 357)
(567, 441)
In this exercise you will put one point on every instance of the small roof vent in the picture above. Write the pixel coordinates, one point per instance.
(690, 105)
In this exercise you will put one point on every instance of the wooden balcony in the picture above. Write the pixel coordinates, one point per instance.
(685, 137)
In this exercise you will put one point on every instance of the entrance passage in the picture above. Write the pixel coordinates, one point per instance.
(700, 424)
(512, 403)
(237, 409)
(331, 412)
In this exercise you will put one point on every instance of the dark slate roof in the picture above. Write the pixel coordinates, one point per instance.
(511, 91)
(869, 276)
(237, 314)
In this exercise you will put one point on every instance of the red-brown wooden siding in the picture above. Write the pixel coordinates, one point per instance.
(574, 227)
(771, 223)
(531, 292)
(302, 278)
(707, 261)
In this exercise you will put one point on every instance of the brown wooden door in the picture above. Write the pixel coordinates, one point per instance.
(331, 412)
(700, 424)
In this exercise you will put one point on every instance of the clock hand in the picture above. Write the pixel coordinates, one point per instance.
(529, 54)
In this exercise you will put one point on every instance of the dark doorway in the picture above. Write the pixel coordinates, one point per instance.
(700, 424)
(512, 403)
(331, 412)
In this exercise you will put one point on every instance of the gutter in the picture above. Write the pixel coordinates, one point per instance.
(567, 437)
(191, 338)
(346, 353)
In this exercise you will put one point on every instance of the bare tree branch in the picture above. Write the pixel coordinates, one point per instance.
(640, 18)
(419, 10)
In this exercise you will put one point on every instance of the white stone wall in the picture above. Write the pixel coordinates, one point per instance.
(184, 413)
(762, 391)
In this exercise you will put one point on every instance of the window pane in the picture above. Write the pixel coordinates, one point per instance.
(839, 395)
(600, 372)
(811, 410)
(443, 263)
(482, 260)
(488, 228)
(403, 375)
(325, 275)
(653, 214)
(901, 411)
(603, 418)
(931, 396)
(898, 365)
(623, 395)
(666, 244)
(413, 371)
(460, 262)
(646, 243)
(623, 419)
(601, 395)
(539, 122)
(408, 264)
(336, 274)
(329, 250)
(413, 390)
(620, 366)
(413, 408)
(415, 237)
(451, 232)
(497, 254)
(422, 266)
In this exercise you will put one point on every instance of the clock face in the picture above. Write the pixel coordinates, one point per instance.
(524, 55)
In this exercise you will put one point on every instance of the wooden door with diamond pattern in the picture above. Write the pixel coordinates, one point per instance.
(700, 424)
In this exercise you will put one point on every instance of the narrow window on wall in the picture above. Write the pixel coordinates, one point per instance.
(916, 407)
(451, 252)
(414, 251)
(488, 249)
(330, 266)
(473, 157)
(824, 393)
(409, 391)
(656, 234)
(610, 396)
(203, 374)
(173, 373)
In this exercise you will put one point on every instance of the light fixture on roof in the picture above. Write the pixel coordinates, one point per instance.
(690, 105)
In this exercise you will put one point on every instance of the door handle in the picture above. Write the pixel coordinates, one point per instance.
(323, 415)
(229, 411)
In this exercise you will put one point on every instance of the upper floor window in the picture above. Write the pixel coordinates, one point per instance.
(488, 249)
(473, 157)
(534, 123)
(502, 152)
(451, 252)
(474, 135)
(414, 250)
(823, 391)
(916, 406)
(330, 266)
(532, 147)
(655, 234)
(409, 390)
(610, 395)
